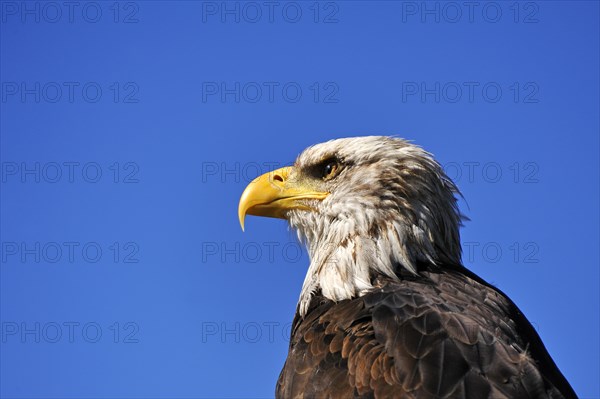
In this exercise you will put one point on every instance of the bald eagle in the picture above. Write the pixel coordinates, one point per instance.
(387, 310)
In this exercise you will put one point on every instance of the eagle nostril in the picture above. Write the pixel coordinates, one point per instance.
(278, 178)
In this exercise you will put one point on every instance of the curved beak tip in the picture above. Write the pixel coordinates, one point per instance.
(241, 216)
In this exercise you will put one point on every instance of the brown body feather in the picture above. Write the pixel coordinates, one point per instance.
(443, 334)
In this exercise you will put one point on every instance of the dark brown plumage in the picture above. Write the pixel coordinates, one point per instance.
(445, 334)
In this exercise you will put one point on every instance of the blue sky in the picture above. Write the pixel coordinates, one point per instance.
(129, 130)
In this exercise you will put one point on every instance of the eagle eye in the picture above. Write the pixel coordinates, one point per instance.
(330, 169)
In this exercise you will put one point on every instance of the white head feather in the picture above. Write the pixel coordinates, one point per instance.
(391, 207)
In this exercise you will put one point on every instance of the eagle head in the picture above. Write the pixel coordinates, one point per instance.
(364, 206)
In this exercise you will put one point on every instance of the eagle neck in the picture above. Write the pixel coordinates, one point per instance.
(343, 260)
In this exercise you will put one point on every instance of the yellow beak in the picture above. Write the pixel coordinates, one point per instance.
(272, 195)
